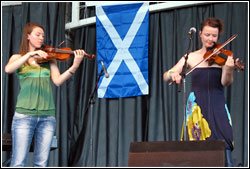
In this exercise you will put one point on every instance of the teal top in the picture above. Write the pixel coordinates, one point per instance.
(35, 97)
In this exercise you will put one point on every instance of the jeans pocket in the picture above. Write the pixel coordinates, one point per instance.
(20, 116)
(52, 118)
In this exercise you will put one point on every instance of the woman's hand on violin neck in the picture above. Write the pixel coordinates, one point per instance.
(79, 54)
(230, 63)
(227, 71)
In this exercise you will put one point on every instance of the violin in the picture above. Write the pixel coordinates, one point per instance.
(216, 56)
(221, 56)
(61, 54)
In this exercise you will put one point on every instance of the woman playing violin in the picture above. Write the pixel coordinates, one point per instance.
(35, 109)
(208, 117)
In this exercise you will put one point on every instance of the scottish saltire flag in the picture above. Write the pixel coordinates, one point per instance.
(122, 44)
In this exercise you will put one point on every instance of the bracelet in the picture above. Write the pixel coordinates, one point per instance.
(168, 74)
(71, 72)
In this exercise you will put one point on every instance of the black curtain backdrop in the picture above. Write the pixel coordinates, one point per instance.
(118, 122)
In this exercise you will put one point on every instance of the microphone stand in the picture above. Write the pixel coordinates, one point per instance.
(183, 83)
(91, 104)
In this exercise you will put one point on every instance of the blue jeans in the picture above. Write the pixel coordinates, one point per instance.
(23, 128)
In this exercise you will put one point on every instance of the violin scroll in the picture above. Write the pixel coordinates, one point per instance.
(239, 66)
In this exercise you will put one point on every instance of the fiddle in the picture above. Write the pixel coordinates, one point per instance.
(221, 56)
(215, 52)
(61, 54)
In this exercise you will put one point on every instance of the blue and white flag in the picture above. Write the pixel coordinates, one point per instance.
(122, 44)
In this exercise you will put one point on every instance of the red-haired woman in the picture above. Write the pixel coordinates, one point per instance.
(208, 117)
(35, 110)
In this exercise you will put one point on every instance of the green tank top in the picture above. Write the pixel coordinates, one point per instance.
(35, 97)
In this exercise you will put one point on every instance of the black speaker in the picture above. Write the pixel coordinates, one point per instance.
(177, 154)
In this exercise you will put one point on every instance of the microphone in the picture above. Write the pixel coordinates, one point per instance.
(105, 70)
(192, 30)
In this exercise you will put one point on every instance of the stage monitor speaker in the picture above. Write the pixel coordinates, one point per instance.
(177, 154)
